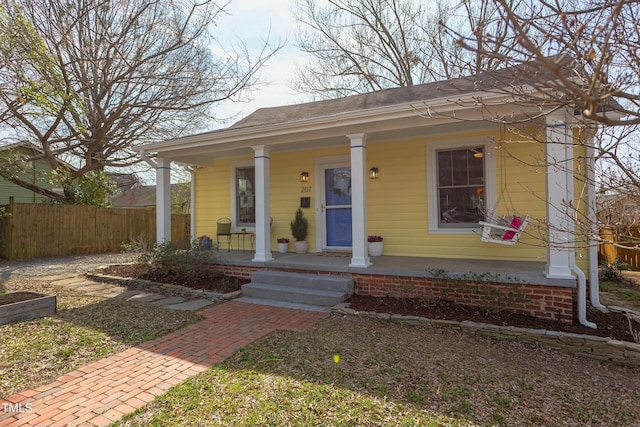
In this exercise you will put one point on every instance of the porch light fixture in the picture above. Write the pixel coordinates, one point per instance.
(374, 173)
(304, 177)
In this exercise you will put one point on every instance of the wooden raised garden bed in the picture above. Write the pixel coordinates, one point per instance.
(17, 306)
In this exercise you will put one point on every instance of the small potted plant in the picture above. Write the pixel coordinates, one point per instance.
(299, 231)
(205, 242)
(283, 245)
(375, 245)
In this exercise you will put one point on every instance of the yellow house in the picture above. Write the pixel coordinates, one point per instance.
(420, 166)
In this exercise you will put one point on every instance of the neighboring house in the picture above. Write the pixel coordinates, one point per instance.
(418, 165)
(36, 173)
(618, 210)
(144, 196)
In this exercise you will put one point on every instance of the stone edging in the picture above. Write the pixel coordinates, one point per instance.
(162, 288)
(589, 346)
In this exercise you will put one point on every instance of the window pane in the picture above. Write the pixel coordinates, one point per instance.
(245, 196)
(476, 166)
(460, 167)
(461, 205)
(444, 168)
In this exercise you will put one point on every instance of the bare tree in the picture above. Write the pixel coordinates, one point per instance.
(582, 55)
(88, 80)
(361, 46)
(586, 51)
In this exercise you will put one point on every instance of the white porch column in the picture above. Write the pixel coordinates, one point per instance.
(359, 256)
(263, 204)
(559, 159)
(192, 202)
(163, 200)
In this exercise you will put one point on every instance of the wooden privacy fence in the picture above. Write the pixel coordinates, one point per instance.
(40, 230)
(608, 252)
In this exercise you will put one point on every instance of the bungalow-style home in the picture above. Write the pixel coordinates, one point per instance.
(35, 173)
(421, 166)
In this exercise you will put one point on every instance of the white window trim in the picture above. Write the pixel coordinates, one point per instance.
(432, 179)
(234, 209)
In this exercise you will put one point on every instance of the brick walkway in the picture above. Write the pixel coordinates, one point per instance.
(102, 392)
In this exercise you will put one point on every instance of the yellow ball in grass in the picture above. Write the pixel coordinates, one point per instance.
(336, 358)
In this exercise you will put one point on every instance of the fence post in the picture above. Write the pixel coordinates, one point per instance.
(608, 249)
(10, 229)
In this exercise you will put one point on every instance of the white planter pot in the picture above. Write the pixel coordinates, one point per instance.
(301, 247)
(283, 248)
(375, 248)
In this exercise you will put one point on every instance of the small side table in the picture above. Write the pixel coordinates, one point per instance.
(241, 236)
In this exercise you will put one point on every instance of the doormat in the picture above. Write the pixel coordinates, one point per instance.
(336, 254)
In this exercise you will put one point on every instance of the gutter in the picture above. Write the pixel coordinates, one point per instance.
(594, 285)
(571, 225)
(582, 293)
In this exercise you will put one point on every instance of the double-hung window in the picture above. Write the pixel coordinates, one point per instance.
(461, 186)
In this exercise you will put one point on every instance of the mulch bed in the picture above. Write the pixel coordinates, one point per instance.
(209, 282)
(612, 325)
(13, 297)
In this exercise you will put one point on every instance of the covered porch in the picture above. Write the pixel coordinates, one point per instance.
(517, 286)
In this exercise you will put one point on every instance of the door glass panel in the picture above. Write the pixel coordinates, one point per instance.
(339, 227)
(338, 186)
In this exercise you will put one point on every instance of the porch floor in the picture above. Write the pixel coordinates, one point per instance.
(386, 265)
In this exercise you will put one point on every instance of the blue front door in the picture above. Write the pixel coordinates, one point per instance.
(337, 207)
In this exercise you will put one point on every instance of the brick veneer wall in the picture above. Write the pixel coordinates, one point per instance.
(547, 302)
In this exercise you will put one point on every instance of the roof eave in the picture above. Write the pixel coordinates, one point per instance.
(397, 111)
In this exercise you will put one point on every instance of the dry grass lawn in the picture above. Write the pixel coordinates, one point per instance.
(85, 328)
(390, 374)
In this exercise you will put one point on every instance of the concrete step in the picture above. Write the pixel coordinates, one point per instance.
(302, 280)
(301, 295)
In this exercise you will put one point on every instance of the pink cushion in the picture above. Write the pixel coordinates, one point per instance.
(516, 222)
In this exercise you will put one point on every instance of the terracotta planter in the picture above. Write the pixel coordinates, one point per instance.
(301, 246)
(283, 248)
(375, 248)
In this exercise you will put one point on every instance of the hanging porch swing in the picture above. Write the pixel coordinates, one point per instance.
(506, 229)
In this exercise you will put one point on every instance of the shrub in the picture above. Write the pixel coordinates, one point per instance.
(299, 226)
(611, 272)
(167, 260)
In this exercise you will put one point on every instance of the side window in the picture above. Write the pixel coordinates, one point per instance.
(245, 181)
(460, 186)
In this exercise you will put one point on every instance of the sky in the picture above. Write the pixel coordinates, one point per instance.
(251, 21)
